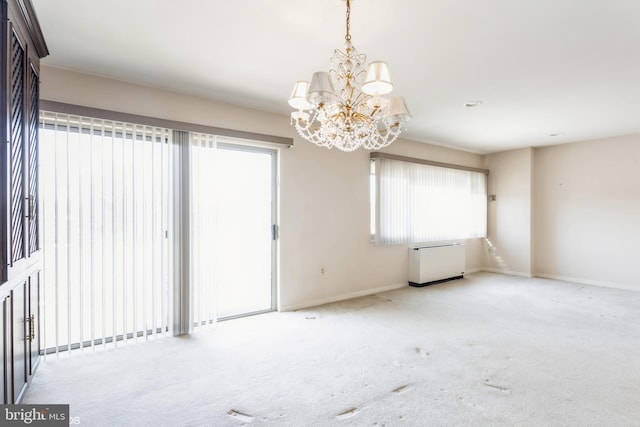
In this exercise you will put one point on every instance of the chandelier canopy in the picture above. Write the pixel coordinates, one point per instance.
(345, 107)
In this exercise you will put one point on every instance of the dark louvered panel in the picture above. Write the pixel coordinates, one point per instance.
(16, 206)
(34, 244)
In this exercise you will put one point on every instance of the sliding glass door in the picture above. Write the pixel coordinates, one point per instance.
(112, 195)
(233, 217)
(246, 211)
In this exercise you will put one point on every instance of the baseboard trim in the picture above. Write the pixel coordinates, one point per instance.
(342, 297)
(336, 298)
(508, 272)
(588, 282)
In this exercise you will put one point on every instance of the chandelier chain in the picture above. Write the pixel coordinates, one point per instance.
(347, 37)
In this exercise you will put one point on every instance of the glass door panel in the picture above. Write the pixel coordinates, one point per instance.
(245, 216)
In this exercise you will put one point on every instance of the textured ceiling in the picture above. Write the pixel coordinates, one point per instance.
(567, 67)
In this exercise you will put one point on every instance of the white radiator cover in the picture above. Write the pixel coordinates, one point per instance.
(435, 263)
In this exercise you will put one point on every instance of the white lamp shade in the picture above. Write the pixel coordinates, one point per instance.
(397, 110)
(378, 79)
(321, 89)
(298, 98)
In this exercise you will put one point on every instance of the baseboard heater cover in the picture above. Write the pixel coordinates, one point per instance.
(433, 264)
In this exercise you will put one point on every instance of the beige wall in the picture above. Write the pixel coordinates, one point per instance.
(569, 212)
(324, 194)
(582, 200)
(325, 224)
(587, 211)
(509, 227)
(91, 91)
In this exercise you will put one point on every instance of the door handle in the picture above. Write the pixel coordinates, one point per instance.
(31, 206)
(31, 320)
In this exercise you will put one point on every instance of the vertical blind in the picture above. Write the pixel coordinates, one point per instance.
(418, 203)
(203, 246)
(105, 215)
(129, 227)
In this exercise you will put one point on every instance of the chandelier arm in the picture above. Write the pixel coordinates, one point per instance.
(362, 117)
(376, 108)
(359, 99)
(338, 115)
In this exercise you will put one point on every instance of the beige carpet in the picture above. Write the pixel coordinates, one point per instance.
(488, 350)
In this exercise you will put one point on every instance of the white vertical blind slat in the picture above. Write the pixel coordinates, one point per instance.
(203, 148)
(68, 242)
(93, 248)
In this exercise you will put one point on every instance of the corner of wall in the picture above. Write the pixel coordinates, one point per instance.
(532, 212)
(510, 216)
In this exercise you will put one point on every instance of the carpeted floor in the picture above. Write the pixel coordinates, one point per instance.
(488, 350)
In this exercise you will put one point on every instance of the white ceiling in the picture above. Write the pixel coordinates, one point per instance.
(540, 67)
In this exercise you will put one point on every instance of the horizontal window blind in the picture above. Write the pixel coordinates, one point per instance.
(105, 215)
(420, 203)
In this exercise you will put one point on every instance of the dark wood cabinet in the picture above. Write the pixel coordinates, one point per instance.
(19, 152)
(23, 311)
(21, 340)
(20, 259)
(18, 340)
(32, 310)
(7, 357)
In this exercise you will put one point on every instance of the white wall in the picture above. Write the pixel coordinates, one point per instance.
(587, 211)
(570, 212)
(509, 227)
(324, 194)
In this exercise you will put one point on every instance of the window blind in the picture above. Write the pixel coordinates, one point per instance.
(203, 184)
(420, 203)
(106, 210)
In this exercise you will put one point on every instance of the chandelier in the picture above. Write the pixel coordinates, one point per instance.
(345, 107)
